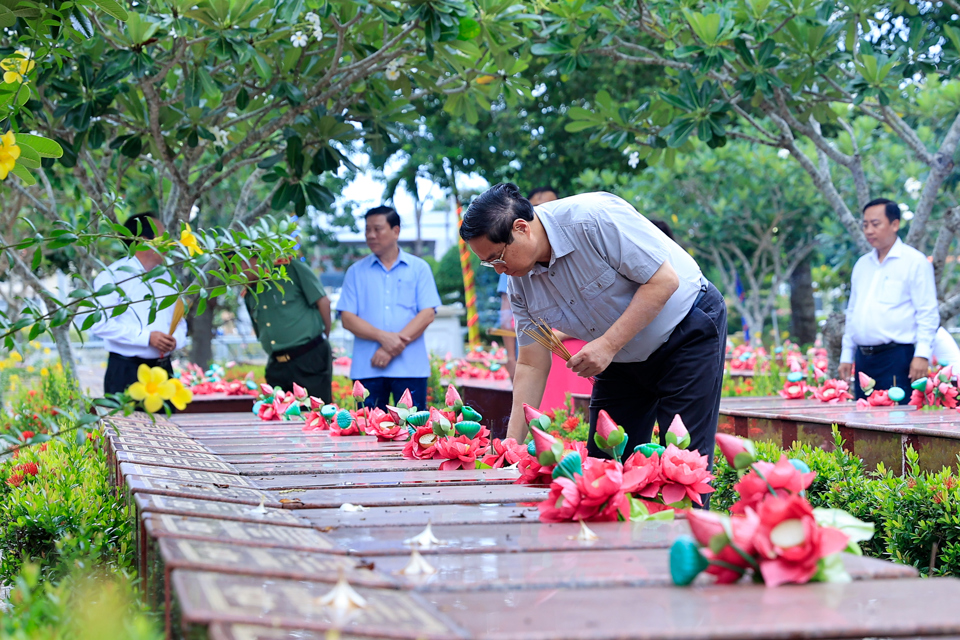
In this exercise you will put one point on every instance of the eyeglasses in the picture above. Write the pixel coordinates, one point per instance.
(494, 263)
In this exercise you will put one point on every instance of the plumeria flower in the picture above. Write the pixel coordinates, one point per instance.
(318, 33)
(188, 240)
(222, 138)
(634, 159)
(312, 18)
(16, 69)
(298, 39)
(9, 152)
(392, 74)
(152, 388)
(783, 154)
(913, 187)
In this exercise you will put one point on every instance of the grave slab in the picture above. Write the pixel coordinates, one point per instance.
(199, 491)
(178, 444)
(352, 466)
(518, 537)
(203, 454)
(205, 597)
(153, 503)
(419, 516)
(261, 446)
(405, 479)
(332, 456)
(184, 475)
(177, 462)
(248, 534)
(867, 608)
(396, 496)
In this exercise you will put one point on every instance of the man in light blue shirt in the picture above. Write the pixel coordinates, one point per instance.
(388, 300)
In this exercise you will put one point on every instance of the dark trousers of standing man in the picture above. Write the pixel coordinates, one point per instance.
(381, 388)
(683, 377)
(310, 365)
(122, 371)
(883, 363)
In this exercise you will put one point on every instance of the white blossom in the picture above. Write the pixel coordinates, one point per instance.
(318, 33)
(905, 212)
(634, 159)
(312, 18)
(221, 137)
(393, 69)
(298, 39)
(783, 154)
(913, 186)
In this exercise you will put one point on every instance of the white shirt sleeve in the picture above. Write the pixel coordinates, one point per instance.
(848, 349)
(923, 293)
(120, 329)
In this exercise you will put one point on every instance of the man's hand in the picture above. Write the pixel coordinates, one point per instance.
(919, 367)
(162, 342)
(393, 343)
(381, 358)
(846, 370)
(594, 358)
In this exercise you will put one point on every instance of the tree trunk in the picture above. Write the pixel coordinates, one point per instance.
(803, 311)
(833, 342)
(61, 337)
(201, 330)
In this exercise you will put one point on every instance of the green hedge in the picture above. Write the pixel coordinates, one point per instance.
(916, 515)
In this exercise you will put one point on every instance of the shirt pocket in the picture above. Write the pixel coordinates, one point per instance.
(891, 291)
(599, 285)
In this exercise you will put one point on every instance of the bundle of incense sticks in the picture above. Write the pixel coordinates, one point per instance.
(178, 310)
(546, 338)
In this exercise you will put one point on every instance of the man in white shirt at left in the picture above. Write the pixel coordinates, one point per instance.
(129, 338)
(892, 316)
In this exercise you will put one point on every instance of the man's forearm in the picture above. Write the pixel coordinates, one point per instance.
(528, 385)
(419, 324)
(323, 304)
(646, 304)
(360, 327)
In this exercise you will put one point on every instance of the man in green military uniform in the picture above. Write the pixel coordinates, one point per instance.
(293, 327)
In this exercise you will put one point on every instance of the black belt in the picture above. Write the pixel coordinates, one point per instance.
(873, 350)
(297, 351)
(152, 362)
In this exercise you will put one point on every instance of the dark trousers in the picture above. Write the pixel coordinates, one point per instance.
(884, 366)
(381, 388)
(122, 371)
(683, 377)
(312, 370)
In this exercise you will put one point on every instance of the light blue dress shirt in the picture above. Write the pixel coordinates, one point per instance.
(389, 300)
(502, 283)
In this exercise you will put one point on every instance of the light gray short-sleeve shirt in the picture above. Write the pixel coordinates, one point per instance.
(603, 250)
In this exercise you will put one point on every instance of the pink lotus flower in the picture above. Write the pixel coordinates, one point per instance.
(684, 474)
(731, 447)
(315, 403)
(504, 453)
(542, 440)
(832, 391)
(647, 479)
(563, 503)
(422, 446)
(532, 472)
(919, 398)
(267, 412)
(406, 400)
(706, 524)
(394, 414)
(790, 543)
(359, 392)
(438, 419)
(299, 392)
(460, 453)
(794, 390)
(605, 425)
(946, 373)
(866, 382)
(313, 421)
(452, 397)
(266, 389)
(948, 395)
(878, 398)
(783, 478)
(380, 424)
(677, 433)
(529, 413)
(599, 495)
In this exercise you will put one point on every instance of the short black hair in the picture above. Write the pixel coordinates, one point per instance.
(542, 190)
(393, 218)
(663, 226)
(493, 212)
(139, 226)
(891, 208)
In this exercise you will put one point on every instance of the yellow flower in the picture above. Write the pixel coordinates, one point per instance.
(44, 371)
(35, 344)
(188, 240)
(46, 351)
(152, 388)
(16, 357)
(182, 396)
(9, 152)
(58, 367)
(31, 369)
(15, 69)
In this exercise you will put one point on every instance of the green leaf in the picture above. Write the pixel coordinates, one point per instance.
(21, 172)
(112, 8)
(469, 29)
(45, 147)
(29, 158)
(7, 19)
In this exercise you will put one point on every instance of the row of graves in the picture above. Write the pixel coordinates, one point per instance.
(315, 527)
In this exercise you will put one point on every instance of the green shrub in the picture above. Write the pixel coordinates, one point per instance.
(66, 511)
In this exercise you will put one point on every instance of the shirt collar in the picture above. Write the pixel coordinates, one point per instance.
(560, 244)
(402, 256)
(896, 251)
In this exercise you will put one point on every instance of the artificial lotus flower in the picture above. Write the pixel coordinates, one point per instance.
(736, 554)
(504, 453)
(458, 453)
(684, 475)
(948, 395)
(832, 391)
(733, 447)
(379, 423)
(945, 374)
(299, 392)
(316, 403)
(794, 390)
(453, 397)
(152, 388)
(189, 241)
(542, 441)
(16, 69)
(866, 383)
(313, 421)
(359, 391)
(563, 503)
(266, 389)
(647, 481)
(423, 444)
(677, 433)
(266, 412)
(790, 543)
(9, 152)
(406, 400)
(530, 414)
(878, 398)
(533, 472)
(765, 479)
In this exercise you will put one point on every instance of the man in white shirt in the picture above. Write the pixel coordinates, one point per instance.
(129, 338)
(892, 316)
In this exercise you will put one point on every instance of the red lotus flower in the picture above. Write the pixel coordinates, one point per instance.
(267, 412)
(732, 446)
(832, 391)
(15, 479)
(684, 474)
(563, 503)
(948, 395)
(790, 543)
(728, 564)
(460, 453)
(406, 400)
(542, 440)
(382, 425)
(359, 392)
(878, 398)
(299, 392)
(532, 472)
(422, 446)
(647, 481)
(313, 421)
(26, 435)
(504, 453)
(794, 390)
(529, 413)
(783, 478)
(266, 389)
(452, 397)
(605, 425)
